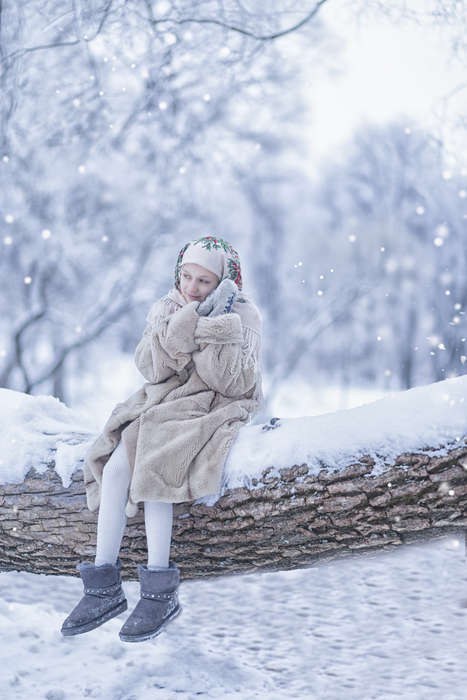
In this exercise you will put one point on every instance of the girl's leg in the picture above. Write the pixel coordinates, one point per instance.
(158, 518)
(112, 517)
(159, 580)
(104, 597)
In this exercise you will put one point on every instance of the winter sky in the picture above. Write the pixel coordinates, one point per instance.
(384, 69)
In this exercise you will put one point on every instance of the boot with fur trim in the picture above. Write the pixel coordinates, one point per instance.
(157, 606)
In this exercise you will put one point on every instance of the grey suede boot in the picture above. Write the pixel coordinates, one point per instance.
(103, 598)
(157, 606)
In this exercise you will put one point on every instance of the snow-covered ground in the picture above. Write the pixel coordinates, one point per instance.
(392, 624)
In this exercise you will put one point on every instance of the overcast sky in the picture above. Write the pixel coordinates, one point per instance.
(387, 70)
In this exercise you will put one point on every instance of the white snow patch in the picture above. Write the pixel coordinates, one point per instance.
(36, 430)
(429, 419)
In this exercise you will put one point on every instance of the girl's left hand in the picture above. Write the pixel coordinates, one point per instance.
(220, 300)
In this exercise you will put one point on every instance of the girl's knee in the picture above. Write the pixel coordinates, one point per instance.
(117, 466)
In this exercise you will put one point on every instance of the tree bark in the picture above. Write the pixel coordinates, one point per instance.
(293, 521)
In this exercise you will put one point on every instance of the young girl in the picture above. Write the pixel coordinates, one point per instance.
(167, 443)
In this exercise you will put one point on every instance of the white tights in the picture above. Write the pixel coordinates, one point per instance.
(158, 515)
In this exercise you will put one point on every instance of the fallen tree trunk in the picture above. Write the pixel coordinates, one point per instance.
(287, 522)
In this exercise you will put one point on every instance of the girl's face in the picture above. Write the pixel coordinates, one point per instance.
(196, 282)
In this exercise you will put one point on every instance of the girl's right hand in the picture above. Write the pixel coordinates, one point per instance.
(220, 300)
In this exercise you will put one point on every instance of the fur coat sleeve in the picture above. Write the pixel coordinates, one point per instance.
(167, 342)
(225, 350)
(228, 356)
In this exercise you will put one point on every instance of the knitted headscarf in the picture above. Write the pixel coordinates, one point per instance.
(213, 253)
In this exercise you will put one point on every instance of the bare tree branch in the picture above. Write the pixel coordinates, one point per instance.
(240, 30)
(60, 44)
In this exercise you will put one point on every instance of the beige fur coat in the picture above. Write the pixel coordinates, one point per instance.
(203, 383)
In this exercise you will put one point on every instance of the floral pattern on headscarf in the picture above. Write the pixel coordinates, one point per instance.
(230, 254)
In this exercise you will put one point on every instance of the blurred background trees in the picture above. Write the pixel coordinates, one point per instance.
(128, 128)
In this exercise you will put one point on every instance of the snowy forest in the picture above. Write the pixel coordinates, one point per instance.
(128, 128)
(326, 141)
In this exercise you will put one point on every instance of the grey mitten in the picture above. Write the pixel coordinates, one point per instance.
(220, 300)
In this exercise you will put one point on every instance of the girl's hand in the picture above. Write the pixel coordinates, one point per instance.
(220, 300)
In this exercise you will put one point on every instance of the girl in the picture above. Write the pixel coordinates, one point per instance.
(167, 443)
